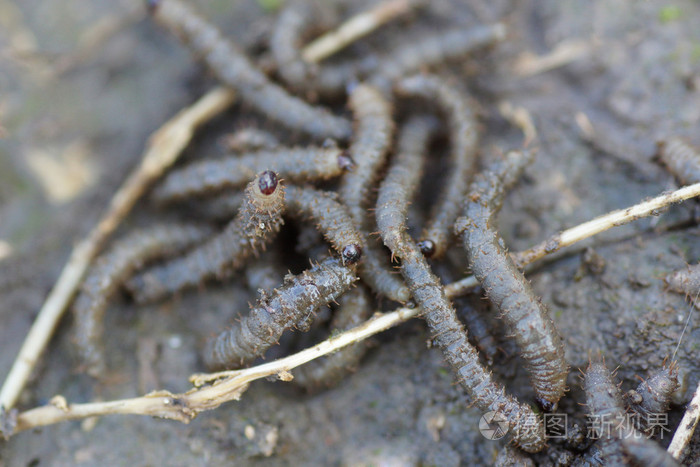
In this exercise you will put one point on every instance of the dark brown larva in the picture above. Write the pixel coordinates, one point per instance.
(653, 396)
(234, 69)
(354, 307)
(681, 159)
(257, 221)
(297, 20)
(277, 311)
(292, 164)
(437, 234)
(447, 331)
(250, 139)
(415, 55)
(126, 256)
(617, 436)
(330, 217)
(534, 332)
(373, 133)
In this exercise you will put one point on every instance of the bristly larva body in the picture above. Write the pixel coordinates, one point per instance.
(297, 20)
(617, 437)
(447, 332)
(354, 307)
(330, 217)
(277, 311)
(422, 53)
(534, 332)
(681, 159)
(234, 69)
(685, 281)
(257, 221)
(126, 256)
(292, 164)
(374, 129)
(438, 232)
(652, 397)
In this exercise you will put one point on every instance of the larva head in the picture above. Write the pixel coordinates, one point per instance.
(345, 162)
(351, 254)
(267, 182)
(427, 247)
(545, 405)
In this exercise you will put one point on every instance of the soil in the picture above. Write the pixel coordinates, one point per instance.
(74, 125)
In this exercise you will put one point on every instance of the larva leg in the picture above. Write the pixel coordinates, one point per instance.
(507, 288)
(292, 164)
(126, 256)
(447, 331)
(681, 159)
(374, 129)
(463, 144)
(293, 23)
(330, 217)
(619, 438)
(653, 396)
(354, 308)
(277, 311)
(234, 69)
(257, 221)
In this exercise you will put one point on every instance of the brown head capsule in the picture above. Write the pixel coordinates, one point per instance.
(267, 182)
(345, 161)
(351, 254)
(427, 247)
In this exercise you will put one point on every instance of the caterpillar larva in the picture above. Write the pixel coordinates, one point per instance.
(257, 221)
(534, 332)
(292, 164)
(278, 310)
(234, 69)
(681, 159)
(330, 217)
(685, 281)
(463, 144)
(126, 256)
(374, 128)
(653, 396)
(609, 423)
(447, 331)
(478, 327)
(296, 20)
(415, 55)
(250, 139)
(354, 307)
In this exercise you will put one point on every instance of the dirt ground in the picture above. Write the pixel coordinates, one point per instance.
(74, 123)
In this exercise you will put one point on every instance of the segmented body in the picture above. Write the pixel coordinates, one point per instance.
(374, 129)
(234, 69)
(681, 159)
(530, 325)
(652, 397)
(354, 307)
(292, 164)
(330, 217)
(257, 221)
(447, 332)
(438, 232)
(277, 311)
(116, 265)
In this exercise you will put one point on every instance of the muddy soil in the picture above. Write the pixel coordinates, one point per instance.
(74, 123)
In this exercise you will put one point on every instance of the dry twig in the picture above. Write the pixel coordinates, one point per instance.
(685, 430)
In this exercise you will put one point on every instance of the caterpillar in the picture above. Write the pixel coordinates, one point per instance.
(681, 159)
(685, 281)
(250, 138)
(425, 52)
(293, 164)
(653, 396)
(354, 307)
(506, 287)
(331, 218)
(295, 21)
(446, 330)
(257, 221)
(374, 129)
(278, 310)
(463, 140)
(234, 69)
(604, 401)
(478, 327)
(110, 271)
